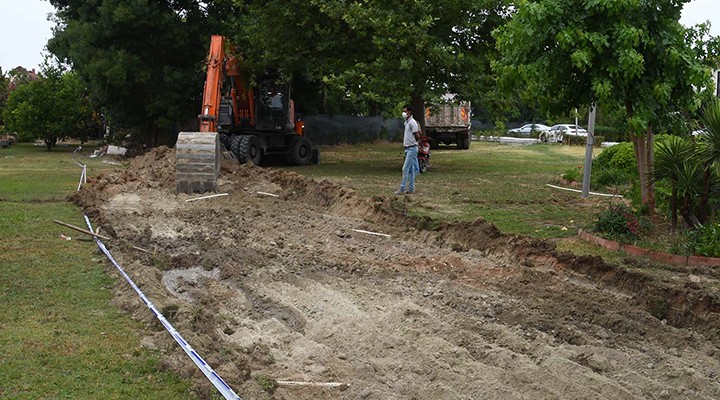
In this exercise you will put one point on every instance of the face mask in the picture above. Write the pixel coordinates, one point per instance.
(404, 114)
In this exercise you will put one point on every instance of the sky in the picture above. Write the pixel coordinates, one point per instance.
(25, 30)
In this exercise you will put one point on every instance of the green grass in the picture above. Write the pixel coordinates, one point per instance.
(503, 184)
(59, 335)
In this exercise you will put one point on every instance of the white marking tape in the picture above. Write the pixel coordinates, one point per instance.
(206, 369)
(580, 191)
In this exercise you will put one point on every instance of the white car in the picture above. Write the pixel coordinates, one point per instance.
(556, 133)
(527, 129)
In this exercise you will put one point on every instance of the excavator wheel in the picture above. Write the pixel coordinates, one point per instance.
(301, 151)
(235, 148)
(225, 141)
(254, 149)
(246, 148)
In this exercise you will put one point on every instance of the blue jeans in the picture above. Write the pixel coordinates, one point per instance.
(409, 169)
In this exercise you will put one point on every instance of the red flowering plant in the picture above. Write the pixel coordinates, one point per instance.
(621, 223)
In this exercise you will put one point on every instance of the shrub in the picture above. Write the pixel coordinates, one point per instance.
(624, 158)
(603, 159)
(615, 166)
(621, 223)
(581, 140)
(704, 241)
(608, 177)
(610, 133)
(573, 174)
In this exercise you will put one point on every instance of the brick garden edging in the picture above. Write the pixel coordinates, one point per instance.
(665, 258)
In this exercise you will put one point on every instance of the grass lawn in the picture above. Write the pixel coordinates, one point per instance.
(503, 184)
(59, 336)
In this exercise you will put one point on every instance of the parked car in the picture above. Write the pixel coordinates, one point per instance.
(527, 129)
(556, 133)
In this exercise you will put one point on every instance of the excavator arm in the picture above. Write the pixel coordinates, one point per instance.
(212, 94)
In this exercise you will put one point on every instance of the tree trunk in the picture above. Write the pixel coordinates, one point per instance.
(643, 148)
(649, 166)
(418, 105)
(50, 143)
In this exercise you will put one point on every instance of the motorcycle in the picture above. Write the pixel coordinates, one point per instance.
(423, 153)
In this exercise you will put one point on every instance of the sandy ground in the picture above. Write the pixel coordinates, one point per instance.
(284, 288)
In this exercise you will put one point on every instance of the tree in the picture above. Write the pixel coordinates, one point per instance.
(626, 55)
(142, 59)
(52, 108)
(4, 92)
(377, 53)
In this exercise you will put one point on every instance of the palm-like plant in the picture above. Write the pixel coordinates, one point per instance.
(677, 162)
(710, 153)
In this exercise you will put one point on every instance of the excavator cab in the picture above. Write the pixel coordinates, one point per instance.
(273, 106)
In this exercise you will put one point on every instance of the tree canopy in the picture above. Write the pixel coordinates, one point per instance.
(627, 55)
(52, 108)
(4, 92)
(375, 52)
(628, 52)
(142, 59)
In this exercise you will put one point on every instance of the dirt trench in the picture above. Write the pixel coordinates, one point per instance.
(287, 288)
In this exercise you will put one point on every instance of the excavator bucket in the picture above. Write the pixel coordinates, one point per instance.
(197, 162)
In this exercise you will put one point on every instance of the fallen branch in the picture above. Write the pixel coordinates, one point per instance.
(97, 235)
(268, 194)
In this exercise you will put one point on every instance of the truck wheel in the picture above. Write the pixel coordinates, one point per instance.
(433, 144)
(301, 151)
(463, 140)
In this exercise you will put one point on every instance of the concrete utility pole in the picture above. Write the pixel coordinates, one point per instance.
(588, 152)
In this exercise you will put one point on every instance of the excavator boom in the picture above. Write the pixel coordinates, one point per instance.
(213, 85)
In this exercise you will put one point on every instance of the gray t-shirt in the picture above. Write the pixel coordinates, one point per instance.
(411, 127)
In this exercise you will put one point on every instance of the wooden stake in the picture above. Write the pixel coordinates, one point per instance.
(341, 386)
(97, 235)
(371, 233)
(207, 197)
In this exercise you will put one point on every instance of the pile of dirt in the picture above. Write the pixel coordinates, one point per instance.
(293, 288)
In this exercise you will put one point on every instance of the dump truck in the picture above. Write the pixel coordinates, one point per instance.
(448, 124)
(253, 122)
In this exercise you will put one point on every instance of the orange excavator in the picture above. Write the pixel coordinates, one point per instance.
(252, 122)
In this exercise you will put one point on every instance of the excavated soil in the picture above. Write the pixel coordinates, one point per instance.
(284, 288)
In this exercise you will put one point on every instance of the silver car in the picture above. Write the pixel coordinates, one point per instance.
(556, 133)
(527, 129)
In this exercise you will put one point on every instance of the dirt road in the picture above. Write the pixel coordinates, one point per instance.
(284, 288)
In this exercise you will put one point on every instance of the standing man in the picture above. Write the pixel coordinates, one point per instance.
(410, 141)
